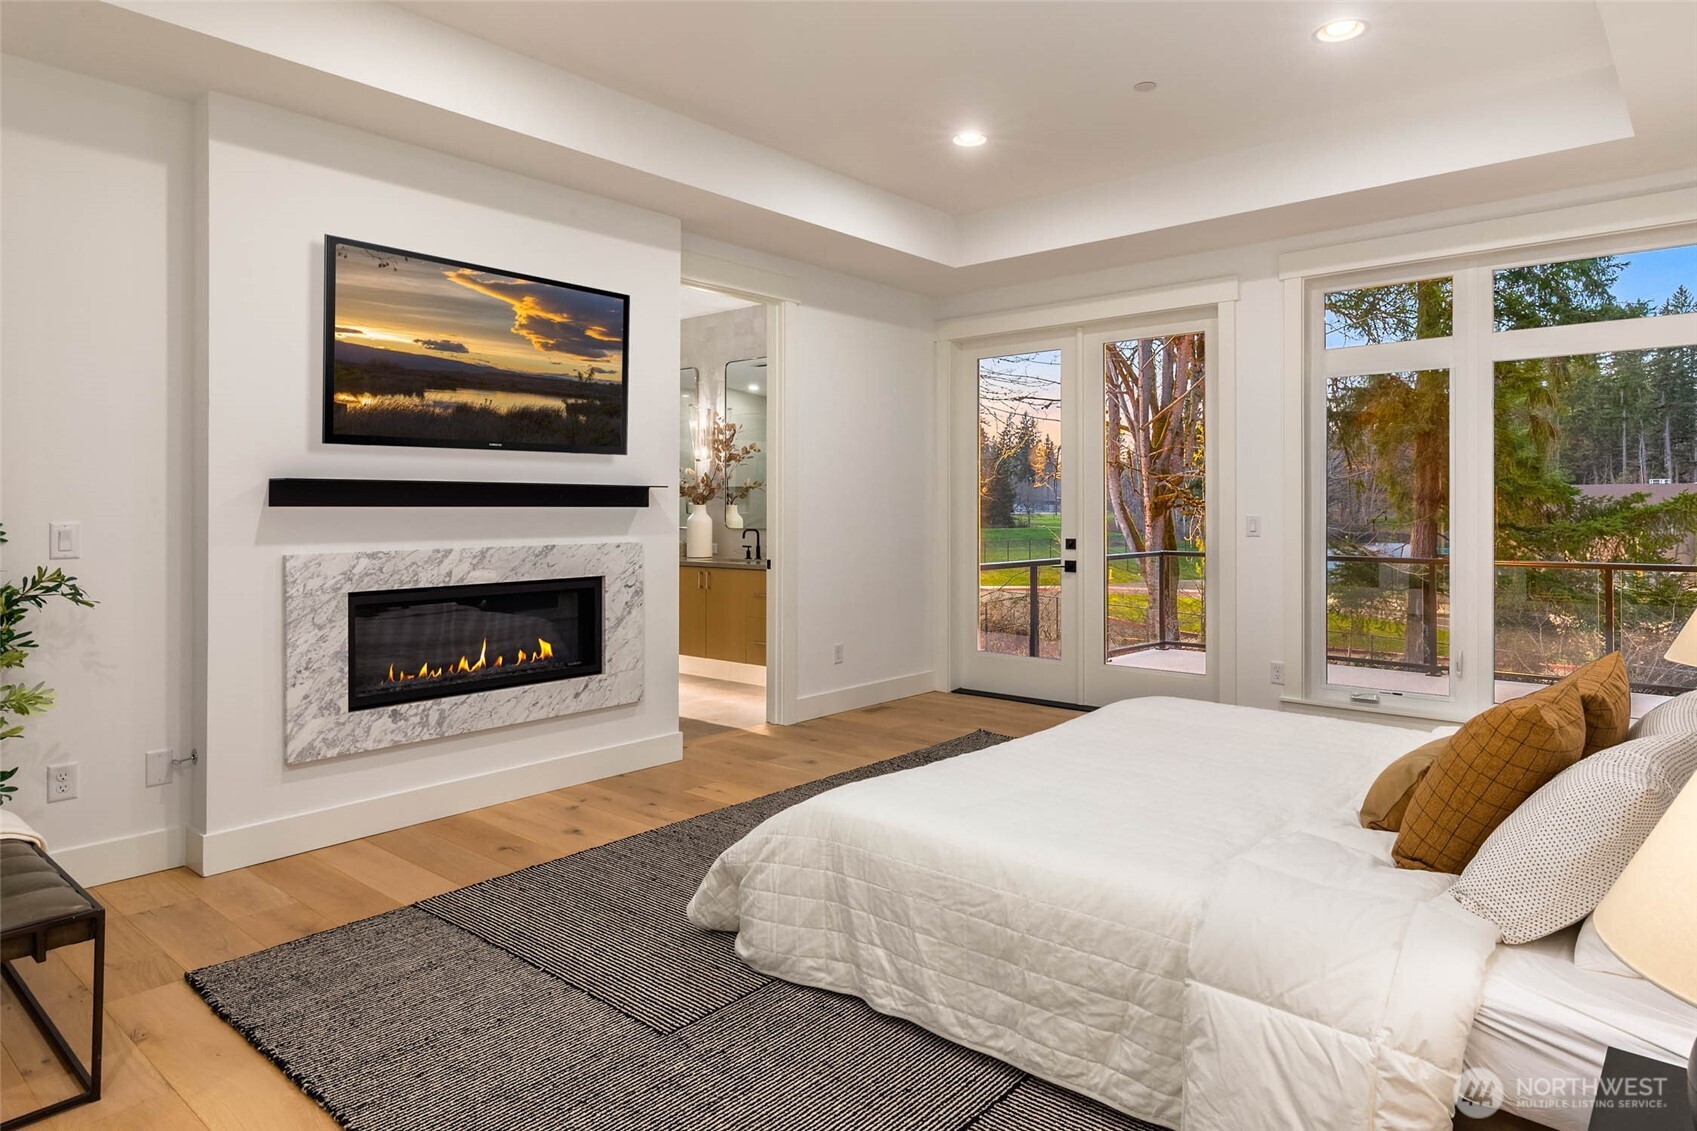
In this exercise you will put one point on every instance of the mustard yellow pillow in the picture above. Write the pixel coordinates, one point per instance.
(1498, 759)
(1387, 798)
(1605, 689)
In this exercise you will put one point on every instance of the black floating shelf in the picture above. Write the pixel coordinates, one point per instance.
(451, 493)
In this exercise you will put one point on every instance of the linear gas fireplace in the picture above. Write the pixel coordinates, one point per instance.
(390, 648)
(428, 643)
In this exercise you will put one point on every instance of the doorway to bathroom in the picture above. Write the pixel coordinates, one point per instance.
(725, 513)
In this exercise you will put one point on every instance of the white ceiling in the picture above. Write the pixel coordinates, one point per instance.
(874, 91)
(819, 131)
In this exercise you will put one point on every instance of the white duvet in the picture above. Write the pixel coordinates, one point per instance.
(1164, 904)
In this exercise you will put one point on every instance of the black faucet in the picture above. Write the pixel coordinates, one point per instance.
(756, 532)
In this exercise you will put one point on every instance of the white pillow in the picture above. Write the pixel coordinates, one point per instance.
(1590, 952)
(1675, 716)
(1556, 856)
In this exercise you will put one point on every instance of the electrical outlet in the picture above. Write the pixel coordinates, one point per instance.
(62, 781)
(1276, 672)
(836, 653)
(159, 767)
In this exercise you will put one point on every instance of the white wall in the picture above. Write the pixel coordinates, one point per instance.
(275, 184)
(1262, 441)
(95, 215)
(858, 424)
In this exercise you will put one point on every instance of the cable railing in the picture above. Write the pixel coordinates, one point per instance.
(1420, 598)
(1164, 581)
(1422, 610)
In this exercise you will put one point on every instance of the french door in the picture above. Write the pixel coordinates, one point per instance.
(1081, 572)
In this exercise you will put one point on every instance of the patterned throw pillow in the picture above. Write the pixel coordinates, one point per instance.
(1498, 759)
(1554, 859)
(1676, 716)
(1606, 691)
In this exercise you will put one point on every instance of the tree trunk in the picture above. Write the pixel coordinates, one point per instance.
(1114, 466)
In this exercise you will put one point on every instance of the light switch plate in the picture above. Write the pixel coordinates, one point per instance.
(159, 767)
(64, 540)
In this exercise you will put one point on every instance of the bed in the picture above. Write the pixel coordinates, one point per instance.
(1166, 905)
(1543, 1019)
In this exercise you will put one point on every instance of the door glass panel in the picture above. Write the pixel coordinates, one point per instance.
(1155, 496)
(1387, 531)
(1019, 504)
(1596, 518)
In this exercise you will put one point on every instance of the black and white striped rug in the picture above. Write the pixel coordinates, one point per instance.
(576, 995)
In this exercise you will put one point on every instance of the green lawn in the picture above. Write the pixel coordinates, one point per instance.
(1041, 539)
(1386, 636)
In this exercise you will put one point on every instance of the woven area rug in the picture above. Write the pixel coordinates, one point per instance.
(576, 995)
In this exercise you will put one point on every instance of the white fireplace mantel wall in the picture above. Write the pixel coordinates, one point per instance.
(274, 183)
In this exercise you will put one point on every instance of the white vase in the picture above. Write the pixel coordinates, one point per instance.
(733, 517)
(698, 540)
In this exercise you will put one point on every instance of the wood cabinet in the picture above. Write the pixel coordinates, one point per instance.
(692, 612)
(722, 613)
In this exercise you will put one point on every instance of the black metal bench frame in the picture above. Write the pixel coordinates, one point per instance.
(87, 1076)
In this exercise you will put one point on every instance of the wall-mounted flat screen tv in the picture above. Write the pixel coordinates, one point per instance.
(430, 352)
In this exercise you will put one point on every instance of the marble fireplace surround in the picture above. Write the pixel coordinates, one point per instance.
(316, 721)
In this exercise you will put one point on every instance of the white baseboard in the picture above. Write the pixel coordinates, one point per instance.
(122, 857)
(728, 670)
(225, 849)
(863, 695)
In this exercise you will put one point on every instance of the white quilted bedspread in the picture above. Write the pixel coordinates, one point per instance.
(1037, 901)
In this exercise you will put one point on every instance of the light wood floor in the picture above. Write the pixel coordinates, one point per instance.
(171, 1064)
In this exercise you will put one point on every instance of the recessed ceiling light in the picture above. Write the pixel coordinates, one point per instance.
(1143, 87)
(970, 139)
(753, 388)
(1340, 31)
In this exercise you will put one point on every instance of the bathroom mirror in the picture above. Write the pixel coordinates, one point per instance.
(689, 386)
(745, 406)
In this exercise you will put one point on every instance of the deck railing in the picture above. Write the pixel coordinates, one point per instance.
(1165, 579)
(1423, 586)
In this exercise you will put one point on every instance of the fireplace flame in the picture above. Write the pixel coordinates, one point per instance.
(466, 665)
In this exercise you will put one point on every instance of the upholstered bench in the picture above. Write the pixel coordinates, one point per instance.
(42, 909)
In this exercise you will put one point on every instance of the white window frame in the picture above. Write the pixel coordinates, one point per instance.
(1469, 257)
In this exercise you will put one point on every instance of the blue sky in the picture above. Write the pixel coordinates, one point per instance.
(1654, 275)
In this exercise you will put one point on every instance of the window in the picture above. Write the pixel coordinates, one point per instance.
(1387, 531)
(1398, 312)
(1604, 288)
(1560, 396)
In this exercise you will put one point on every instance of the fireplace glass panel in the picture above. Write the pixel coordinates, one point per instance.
(410, 644)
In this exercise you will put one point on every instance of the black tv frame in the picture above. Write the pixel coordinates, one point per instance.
(328, 435)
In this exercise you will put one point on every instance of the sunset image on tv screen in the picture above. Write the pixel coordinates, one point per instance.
(436, 352)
